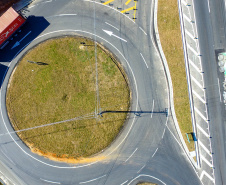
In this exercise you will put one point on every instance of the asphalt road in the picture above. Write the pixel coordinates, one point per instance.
(211, 23)
(148, 148)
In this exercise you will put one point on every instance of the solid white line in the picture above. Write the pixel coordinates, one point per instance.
(192, 63)
(144, 175)
(197, 83)
(203, 131)
(219, 88)
(206, 161)
(189, 34)
(144, 60)
(200, 114)
(163, 132)
(142, 30)
(111, 25)
(131, 155)
(187, 18)
(153, 104)
(141, 169)
(195, 52)
(124, 182)
(204, 147)
(50, 181)
(205, 173)
(155, 152)
(199, 97)
(137, 95)
(92, 180)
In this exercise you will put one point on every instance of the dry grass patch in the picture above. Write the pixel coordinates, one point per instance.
(65, 89)
(170, 35)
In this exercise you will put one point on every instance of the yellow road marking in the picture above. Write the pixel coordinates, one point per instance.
(128, 9)
(107, 2)
(135, 7)
(127, 2)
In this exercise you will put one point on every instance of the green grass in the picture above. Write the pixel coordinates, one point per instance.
(170, 35)
(65, 89)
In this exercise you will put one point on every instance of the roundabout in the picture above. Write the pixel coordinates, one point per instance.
(146, 145)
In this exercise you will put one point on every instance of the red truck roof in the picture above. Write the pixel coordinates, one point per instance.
(10, 21)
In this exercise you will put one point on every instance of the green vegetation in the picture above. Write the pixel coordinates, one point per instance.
(170, 35)
(65, 88)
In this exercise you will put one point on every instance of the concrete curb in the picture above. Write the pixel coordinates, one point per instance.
(166, 68)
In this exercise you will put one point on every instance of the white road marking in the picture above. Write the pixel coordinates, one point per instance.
(189, 34)
(144, 175)
(192, 63)
(208, 5)
(197, 83)
(206, 161)
(18, 42)
(111, 25)
(131, 155)
(200, 114)
(92, 180)
(50, 181)
(206, 174)
(199, 97)
(7, 157)
(192, 49)
(141, 169)
(153, 104)
(163, 132)
(144, 60)
(142, 30)
(124, 182)
(203, 131)
(136, 89)
(187, 18)
(155, 152)
(184, 2)
(206, 149)
(61, 15)
(111, 34)
(219, 88)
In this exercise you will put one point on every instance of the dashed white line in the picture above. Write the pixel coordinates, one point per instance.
(201, 129)
(144, 60)
(153, 104)
(142, 30)
(155, 152)
(50, 181)
(206, 174)
(59, 15)
(111, 25)
(141, 169)
(199, 97)
(197, 83)
(203, 146)
(163, 132)
(206, 161)
(92, 179)
(131, 155)
(200, 114)
(192, 63)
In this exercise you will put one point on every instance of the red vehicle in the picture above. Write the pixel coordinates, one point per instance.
(10, 21)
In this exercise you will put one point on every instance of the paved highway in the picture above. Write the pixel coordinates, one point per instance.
(148, 148)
